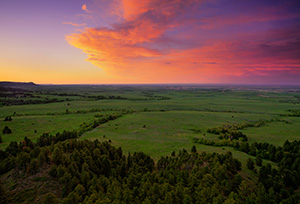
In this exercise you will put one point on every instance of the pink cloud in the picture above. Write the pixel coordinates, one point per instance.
(84, 7)
(181, 41)
(75, 24)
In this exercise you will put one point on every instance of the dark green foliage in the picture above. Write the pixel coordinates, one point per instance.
(244, 147)
(23, 160)
(87, 127)
(8, 118)
(84, 168)
(46, 139)
(258, 161)
(1, 139)
(57, 155)
(13, 149)
(250, 164)
(6, 130)
(33, 166)
(2, 194)
(193, 150)
(50, 199)
(7, 164)
(279, 181)
(294, 113)
(91, 172)
(229, 132)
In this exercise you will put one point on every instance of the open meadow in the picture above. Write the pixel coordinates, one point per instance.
(163, 118)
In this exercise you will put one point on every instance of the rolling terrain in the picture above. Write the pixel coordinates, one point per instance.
(158, 120)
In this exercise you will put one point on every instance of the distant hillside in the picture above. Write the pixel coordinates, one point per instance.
(18, 85)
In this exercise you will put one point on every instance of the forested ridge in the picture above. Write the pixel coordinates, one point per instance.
(95, 172)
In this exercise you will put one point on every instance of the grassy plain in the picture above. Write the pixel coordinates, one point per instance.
(160, 133)
(164, 119)
(33, 126)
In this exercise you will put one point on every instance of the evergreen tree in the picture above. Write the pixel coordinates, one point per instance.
(258, 160)
(50, 199)
(193, 150)
(250, 164)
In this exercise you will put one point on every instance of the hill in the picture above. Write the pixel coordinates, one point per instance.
(18, 85)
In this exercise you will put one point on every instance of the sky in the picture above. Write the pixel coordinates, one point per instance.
(150, 41)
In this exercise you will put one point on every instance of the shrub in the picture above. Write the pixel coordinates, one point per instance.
(6, 130)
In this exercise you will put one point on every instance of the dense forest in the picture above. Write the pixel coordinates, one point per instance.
(96, 172)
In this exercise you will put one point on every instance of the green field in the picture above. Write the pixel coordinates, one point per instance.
(157, 120)
(35, 125)
(160, 133)
(164, 118)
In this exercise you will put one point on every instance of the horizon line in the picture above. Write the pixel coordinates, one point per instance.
(99, 84)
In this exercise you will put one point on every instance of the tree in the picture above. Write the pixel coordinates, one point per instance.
(0, 139)
(245, 147)
(23, 159)
(34, 165)
(250, 164)
(57, 155)
(258, 161)
(193, 150)
(50, 199)
(6, 130)
(262, 195)
(80, 190)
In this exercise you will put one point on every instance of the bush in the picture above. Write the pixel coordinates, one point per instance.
(8, 118)
(6, 130)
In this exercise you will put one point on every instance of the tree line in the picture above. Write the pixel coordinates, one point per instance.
(95, 172)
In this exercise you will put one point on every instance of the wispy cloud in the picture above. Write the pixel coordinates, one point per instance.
(75, 24)
(193, 39)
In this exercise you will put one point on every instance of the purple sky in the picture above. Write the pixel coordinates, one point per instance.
(150, 41)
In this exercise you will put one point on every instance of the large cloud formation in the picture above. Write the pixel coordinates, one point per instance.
(194, 40)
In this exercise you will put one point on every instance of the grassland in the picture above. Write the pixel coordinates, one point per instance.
(33, 126)
(164, 118)
(160, 133)
(159, 120)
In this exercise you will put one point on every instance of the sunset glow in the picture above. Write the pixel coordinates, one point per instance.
(150, 41)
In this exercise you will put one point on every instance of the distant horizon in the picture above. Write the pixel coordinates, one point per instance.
(179, 84)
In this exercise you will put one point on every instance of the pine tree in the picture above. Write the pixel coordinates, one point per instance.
(193, 150)
(250, 164)
(50, 199)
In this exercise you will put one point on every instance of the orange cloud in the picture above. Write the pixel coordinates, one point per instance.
(169, 41)
(75, 24)
(124, 42)
(84, 7)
